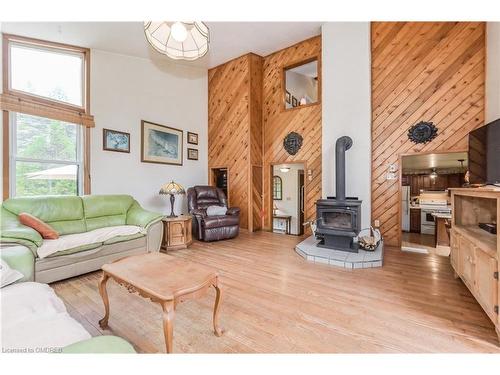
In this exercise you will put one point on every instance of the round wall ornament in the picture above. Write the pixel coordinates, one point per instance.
(292, 143)
(422, 132)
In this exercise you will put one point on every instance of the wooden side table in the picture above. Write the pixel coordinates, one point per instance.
(177, 232)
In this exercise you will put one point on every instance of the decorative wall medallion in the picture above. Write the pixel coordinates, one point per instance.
(422, 132)
(292, 143)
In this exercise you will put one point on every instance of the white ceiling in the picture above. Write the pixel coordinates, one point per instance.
(428, 161)
(227, 39)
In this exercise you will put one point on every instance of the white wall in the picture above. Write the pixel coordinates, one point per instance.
(289, 205)
(346, 103)
(492, 71)
(1, 116)
(126, 90)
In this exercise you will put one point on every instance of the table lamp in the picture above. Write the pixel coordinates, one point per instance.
(173, 189)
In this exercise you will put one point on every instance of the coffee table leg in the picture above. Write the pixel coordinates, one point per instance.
(217, 330)
(168, 324)
(104, 295)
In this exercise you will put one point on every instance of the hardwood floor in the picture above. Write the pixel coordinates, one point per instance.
(276, 302)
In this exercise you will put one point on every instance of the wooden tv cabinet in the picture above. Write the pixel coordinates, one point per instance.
(475, 253)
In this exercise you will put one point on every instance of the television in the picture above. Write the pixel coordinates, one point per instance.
(484, 154)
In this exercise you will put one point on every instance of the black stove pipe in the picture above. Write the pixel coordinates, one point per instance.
(341, 146)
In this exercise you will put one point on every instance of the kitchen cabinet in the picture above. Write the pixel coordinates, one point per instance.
(415, 220)
(424, 182)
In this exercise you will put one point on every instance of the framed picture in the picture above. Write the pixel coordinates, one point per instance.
(192, 138)
(294, 101)
(160, 144)
(288, 97)
(114, 140)
(192, 154)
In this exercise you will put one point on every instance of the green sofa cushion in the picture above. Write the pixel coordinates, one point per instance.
(100, 344)
(63, 213)
(21, 259)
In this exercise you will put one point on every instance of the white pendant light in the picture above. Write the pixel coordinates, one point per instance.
(285, 169)
(178, 40)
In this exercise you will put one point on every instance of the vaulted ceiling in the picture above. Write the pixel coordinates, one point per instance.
(228, 39)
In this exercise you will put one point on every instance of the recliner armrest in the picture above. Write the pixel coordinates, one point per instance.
(200, 212)
(233, 211)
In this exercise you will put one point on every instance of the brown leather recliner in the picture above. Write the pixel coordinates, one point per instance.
(212, 228)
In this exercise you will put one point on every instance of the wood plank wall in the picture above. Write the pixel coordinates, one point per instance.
(234, 93)
(277, 123)
(431, 71)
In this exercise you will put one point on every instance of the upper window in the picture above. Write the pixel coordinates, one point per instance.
(47, 72)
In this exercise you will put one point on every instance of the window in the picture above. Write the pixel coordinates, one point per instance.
(56, 76)
(46, 156)
(277, 188)
(46, 105)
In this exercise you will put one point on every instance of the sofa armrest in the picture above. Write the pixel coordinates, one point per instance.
(12, 231)
(136, 215)
(154, 237)
(20, 258)
(100, 344)
(233, 211)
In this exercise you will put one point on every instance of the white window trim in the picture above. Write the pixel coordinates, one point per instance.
(13, 158)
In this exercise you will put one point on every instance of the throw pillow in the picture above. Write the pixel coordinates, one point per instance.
(216, 210)
(8, 275)
(45, 230)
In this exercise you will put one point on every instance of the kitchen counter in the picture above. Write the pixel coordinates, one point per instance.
(438, 215)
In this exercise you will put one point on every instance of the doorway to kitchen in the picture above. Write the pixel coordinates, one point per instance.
(425, 199)
(288, 189)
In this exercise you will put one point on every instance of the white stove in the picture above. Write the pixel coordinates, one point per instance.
(427, 208)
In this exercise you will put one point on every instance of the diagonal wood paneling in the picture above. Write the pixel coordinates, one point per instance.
(431, 71)
(235, 131)
(277, 123)
(228, 128)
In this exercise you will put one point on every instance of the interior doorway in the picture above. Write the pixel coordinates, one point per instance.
(288, 194)
(219, 178)
(425, 204)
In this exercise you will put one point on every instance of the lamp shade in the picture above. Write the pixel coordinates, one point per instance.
(172, 188)
(178, 40)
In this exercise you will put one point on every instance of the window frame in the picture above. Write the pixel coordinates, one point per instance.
(9, 39)
(275, 190)
(45, 105)
(79, 162)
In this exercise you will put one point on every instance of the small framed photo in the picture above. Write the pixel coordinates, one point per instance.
(295, 103)
(192, 154)
(192, 138)
(288, 97)
(114, 140)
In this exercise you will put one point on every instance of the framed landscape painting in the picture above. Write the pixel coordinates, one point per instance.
(160, 144)
(114, 140)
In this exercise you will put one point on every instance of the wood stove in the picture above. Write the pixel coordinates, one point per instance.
(339, 217)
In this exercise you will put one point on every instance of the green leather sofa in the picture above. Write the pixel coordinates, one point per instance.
(21, 259)
(70, 215)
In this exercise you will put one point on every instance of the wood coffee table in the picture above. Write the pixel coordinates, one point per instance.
(164, 279)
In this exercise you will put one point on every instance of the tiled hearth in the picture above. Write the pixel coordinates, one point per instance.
(363, 259)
